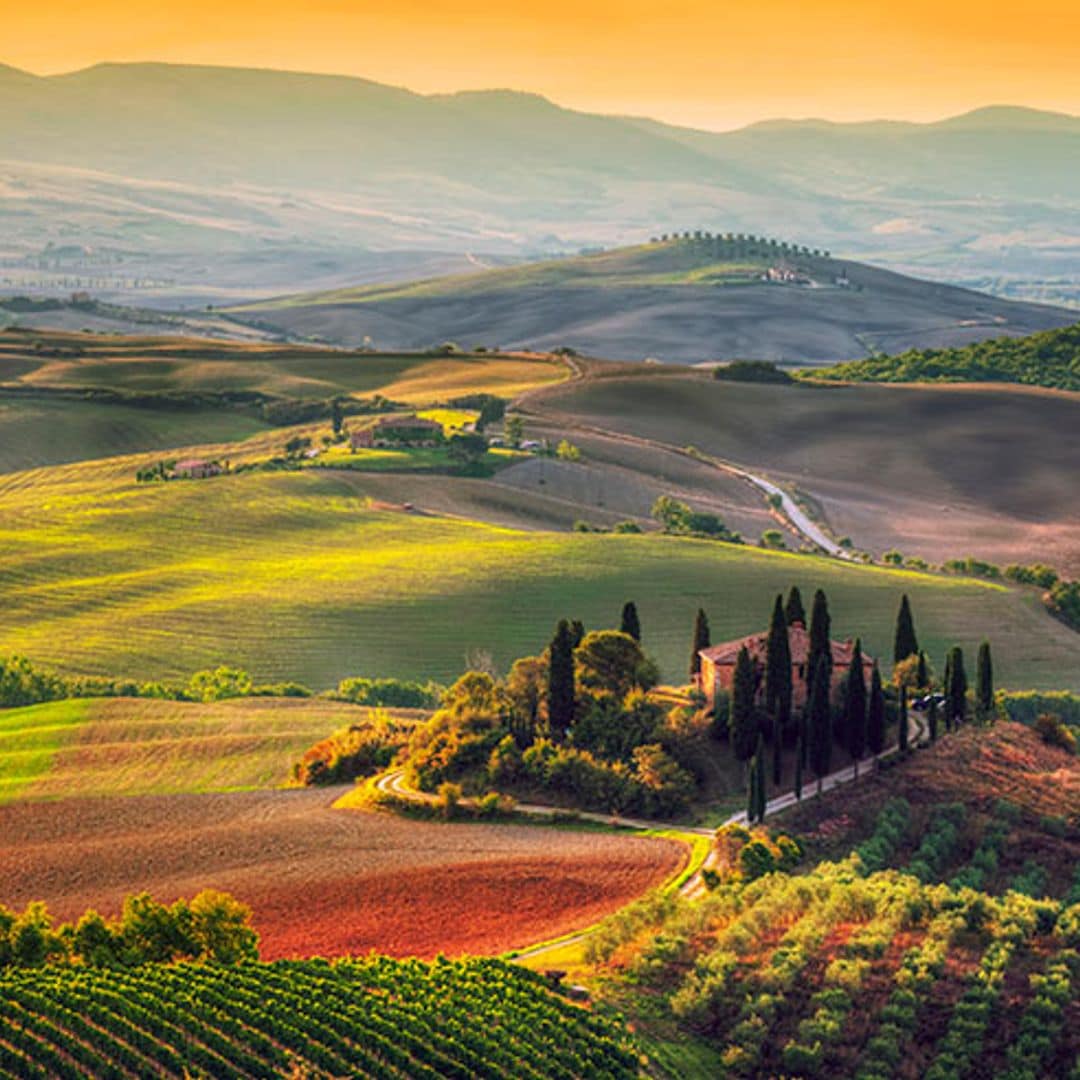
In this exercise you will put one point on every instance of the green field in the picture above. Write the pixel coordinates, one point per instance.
(54, 431)
(123, 746)
(296, 576)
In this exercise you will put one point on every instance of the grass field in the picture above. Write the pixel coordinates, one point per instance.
(149, 365)
(936, 471)
(52, 431)
(123, 746)
(295, 575)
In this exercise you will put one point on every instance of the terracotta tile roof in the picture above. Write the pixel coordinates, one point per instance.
(727, 652)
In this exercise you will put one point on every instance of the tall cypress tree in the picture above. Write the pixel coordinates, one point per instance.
(820, 649)
(742, 720)
(577, 632)
(561, 681)
(875, 715)
(820, 725)
(984, 683)
(922, 672)
(855, 707)
(701, 641)
(751, 792)
(631, 624)
(931, 719)
(794, 611)
(905, 643)
(762, 795)
(778, 673)
(902, 722)
(800, 750)
(777, 757)
(956, 691)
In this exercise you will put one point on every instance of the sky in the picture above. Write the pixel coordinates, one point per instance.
(703, 63)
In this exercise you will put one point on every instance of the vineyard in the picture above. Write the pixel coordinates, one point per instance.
(371, 1017)
(840, 973)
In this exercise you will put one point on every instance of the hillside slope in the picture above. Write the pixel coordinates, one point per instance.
(684, 300)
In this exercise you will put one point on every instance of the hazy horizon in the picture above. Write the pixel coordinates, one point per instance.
(714, 69)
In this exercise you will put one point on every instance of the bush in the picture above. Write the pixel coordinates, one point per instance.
(218, 685)
(1053, 731)
(355, 751)
(390, 693)
(755, 371)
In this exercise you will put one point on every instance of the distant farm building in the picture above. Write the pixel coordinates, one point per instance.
(398, 431)
(718, 664)
(196, 469)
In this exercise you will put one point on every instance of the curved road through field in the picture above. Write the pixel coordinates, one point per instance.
(531, 402)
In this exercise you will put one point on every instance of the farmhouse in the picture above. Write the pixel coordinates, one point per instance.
(718, 663)
(398, 431)
(196, 469)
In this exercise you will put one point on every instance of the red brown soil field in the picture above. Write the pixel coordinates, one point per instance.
(327, 882)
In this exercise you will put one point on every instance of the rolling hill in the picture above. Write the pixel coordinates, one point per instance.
(207, 183)
(297, 575)
(686, 300)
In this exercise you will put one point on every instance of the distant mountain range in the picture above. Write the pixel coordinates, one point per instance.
(208, 183)
(686, 299)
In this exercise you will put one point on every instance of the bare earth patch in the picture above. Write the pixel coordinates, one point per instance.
(325, 882)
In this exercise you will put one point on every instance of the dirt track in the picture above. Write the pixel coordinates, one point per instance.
(322, 881)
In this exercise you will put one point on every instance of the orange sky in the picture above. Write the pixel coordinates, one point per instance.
(700, 62)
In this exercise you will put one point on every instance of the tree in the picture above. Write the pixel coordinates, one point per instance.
(922, 672)
(611, 662)
(799, 751)
(577, 632)
(820, 645)
(984, 683)
(777, 755)
(931, 719)
(514, 430)
(794, 611)
(631, 624)
(467, 449)
(855, 707)
(956, 691)
(751, 792)
(742, 720)
(820, 725)
(337, 417)
(902, 722)
(701, 641)
(905, 643)
(875, 715)
(778, 672)
(560, 694)
(567, 451)
(762, 791)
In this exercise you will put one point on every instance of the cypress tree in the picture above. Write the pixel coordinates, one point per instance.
(631, 624)
(751, 792)
(820, 648)
(902, 722)
(956, 691)
(701, 641)
(931, 719)
(794, 611)
(820, 726)
(855, 707)
(905, 643)
(742, 721)
(577, 632)
(778, 673)
(984, 683)
(922, 672)
(777, 758)
(875, 715)
(561, 681)
(800, 750)
(762, 798)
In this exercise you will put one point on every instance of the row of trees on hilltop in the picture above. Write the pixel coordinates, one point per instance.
(740, 244)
